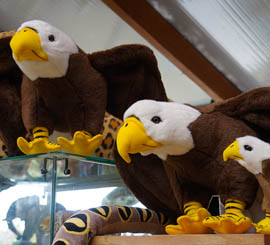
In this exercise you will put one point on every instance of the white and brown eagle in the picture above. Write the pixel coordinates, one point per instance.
(254, 155)
(67, 90)
(190, 141)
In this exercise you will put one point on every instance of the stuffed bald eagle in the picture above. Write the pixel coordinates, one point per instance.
(254, 155)
(108, 80)
(67, 90)
(190, 141)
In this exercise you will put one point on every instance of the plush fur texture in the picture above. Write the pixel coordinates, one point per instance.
(11, 125)
(131, 73)
(146, 177)
(74, 102)
(252, 107)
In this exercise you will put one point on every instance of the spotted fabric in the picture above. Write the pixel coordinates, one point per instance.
(82, 226)
(111, 126)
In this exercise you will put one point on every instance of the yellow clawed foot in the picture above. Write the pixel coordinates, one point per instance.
(190, 224)
(37, 146)
(263, 226)
(228, 225)
(81, 144)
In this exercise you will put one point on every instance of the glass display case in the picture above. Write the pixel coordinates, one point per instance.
(35, 187)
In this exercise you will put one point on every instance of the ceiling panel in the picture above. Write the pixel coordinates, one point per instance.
(233, 34)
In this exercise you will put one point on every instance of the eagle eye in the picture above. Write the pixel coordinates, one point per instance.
(51, 38)
(156, 119)
(248, 147)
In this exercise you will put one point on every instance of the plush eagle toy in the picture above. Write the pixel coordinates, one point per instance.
(254, 155)
(67, 90)
(11, 124)
(190, 141)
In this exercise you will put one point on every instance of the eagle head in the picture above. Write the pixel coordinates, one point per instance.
(42, 50)
(156, 127)
(251, 152)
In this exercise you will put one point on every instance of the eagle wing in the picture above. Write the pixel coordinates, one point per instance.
(11, 125)
(131, 73)
(252, 107)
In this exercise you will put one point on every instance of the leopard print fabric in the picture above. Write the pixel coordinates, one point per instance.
(111, 126)
(7, 34)
(3, 150)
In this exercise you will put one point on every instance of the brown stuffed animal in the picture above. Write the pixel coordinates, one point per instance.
(67, 90)
(191, 141)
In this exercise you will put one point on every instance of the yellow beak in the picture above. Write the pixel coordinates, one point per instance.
(26, 45)
(232, 152)
(132, 138)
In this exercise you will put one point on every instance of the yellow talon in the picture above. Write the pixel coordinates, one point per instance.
(227, 225)
(81, 144)
(36, 146)
(263, 226)
(40, 143)
(192, 222)
(233, 221)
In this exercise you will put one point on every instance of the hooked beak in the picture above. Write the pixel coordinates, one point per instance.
(132, 138)
(26, 45)
(232, 152)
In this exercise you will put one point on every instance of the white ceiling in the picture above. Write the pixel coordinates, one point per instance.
(95, 27)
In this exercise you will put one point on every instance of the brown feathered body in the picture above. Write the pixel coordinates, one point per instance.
(11, 125)
(74, 102)
(203, 167)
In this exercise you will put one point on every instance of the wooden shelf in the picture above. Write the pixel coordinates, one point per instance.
(212, 239)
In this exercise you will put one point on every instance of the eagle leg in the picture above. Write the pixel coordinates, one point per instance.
(192, 221)
(81, 144)
(264, 225)
(39, 144)
(233, 221)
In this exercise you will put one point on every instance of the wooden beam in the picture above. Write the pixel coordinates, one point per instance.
(194, 239)
(163, 36)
